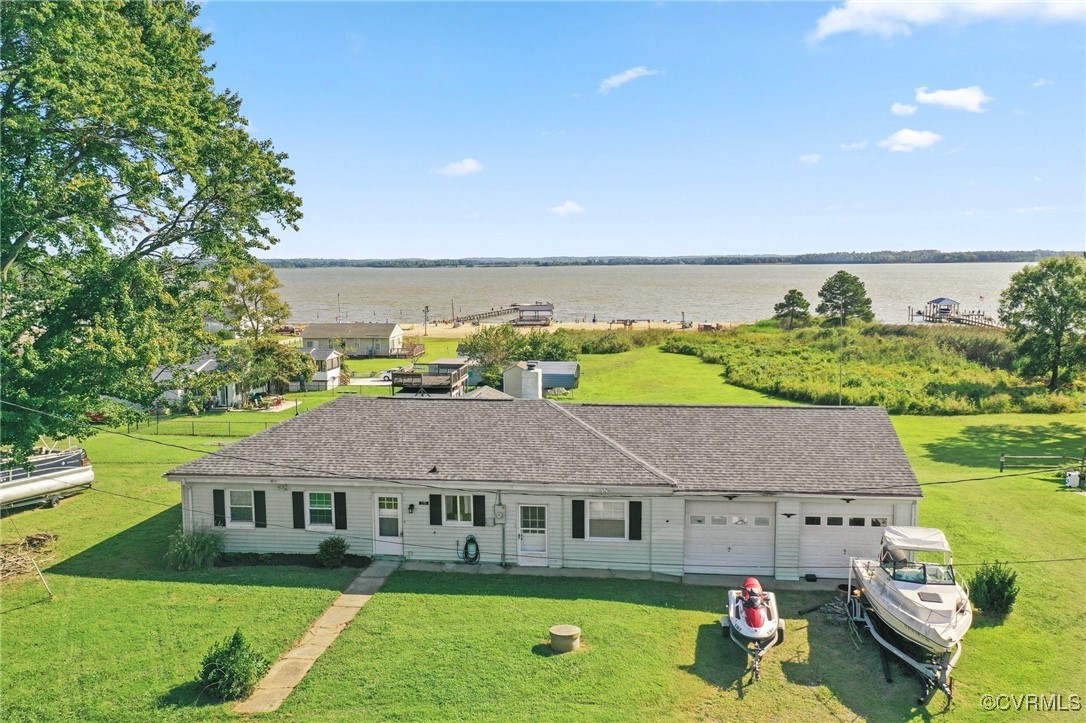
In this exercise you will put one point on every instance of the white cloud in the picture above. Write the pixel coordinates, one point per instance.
(857, 146)
(902, 109)
(971, 99)
(810, 159)
(907, 140)
(620, 79)
(1041, 82)
(566, 209)
(899, 17)
(466, 167)
(1036, 209)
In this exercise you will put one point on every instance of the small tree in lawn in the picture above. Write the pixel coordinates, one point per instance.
(494, 348)
(793, 310)
(844, 297)
(1045, 309)
(250, 302)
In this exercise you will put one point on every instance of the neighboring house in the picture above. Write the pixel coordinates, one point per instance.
(485, 392)
(519, 380)
(475, 374)
(355, 340)
(327, 375)
(784, 491)
(229, 395)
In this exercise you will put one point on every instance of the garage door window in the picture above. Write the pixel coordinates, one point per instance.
(812, 521)
(761, 522)
(878, 522)
(697, 519)
(740, 520)
(835, 521)
(718, 520)
(856, 521)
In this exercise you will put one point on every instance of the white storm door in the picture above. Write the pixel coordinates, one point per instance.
(388, 525)
(532, 537)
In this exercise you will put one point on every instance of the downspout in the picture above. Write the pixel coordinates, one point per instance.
(651, 518)
(502, 523)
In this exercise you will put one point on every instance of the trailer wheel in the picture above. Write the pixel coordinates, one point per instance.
(780, 633)
(52, 501)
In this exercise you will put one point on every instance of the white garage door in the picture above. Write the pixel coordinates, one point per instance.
(831, 533)
(729, 538)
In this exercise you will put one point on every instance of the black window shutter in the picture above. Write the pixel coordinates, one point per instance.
(635, 520)
(218, 501)
(339, 509)
(578, 519)
(260, 509)
(299, 510)
(435, 509)
(478, 510)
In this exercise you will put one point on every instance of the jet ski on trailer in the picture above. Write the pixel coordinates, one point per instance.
(753, 623)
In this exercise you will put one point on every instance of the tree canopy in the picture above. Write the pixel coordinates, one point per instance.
(496, 347)
(1045, 309)
(250, 303)
(844, 297)
(793, 310)
(127, 182)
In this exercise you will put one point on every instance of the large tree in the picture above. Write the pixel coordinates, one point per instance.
(844, 297)
(250, 303)
(1045, 308)
(793, 310)
(127, 182)
(494, 348)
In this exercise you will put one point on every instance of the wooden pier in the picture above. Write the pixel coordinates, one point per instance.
(948, 311)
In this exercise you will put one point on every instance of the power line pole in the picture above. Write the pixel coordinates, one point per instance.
(426, 321)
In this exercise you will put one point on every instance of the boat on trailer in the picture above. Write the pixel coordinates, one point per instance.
(46, 478)
(921, 609)
(753, 622)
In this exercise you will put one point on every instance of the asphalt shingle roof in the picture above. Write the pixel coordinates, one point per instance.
(348, 331)
(850, 451)
(800, 450)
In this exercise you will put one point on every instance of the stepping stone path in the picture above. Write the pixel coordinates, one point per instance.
(291, 668)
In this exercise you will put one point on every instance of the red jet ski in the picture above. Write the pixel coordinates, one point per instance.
(752, 621)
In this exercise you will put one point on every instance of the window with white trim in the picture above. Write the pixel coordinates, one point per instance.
(458, 510)
(239, 513)
(607, 519)
(320, 509)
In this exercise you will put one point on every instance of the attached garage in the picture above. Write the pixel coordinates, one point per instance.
(832, 532)
(729, 538)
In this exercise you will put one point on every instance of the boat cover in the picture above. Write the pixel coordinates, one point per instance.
(927, 539)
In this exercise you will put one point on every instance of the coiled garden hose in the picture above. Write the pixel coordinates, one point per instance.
(471, 551)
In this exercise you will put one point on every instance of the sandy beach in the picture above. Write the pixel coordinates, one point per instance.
(451, 331)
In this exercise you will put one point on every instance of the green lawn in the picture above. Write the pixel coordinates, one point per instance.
(648, 375)
(123, 638)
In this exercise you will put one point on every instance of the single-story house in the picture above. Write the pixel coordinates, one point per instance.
(327, 375)
(774, 491)
(355, 340)
(555, 375)
(169, 378)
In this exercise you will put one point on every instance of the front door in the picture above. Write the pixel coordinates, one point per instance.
(532, 539)
(388, 537)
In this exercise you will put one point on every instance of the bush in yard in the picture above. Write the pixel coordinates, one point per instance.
(195, 550)
(993, 588)
(231, 669)
(332, 551)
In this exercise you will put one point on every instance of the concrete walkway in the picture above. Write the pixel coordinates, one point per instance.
(288, 671)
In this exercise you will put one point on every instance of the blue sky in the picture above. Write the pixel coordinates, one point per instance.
(488, 129)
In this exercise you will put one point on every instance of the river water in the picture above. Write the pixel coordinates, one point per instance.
(717, 294)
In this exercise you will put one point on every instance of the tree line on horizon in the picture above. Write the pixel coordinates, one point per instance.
(921, 256)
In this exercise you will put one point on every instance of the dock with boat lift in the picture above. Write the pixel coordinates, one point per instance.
(948, 311)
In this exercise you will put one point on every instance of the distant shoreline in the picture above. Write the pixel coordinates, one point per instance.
(926, 256)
